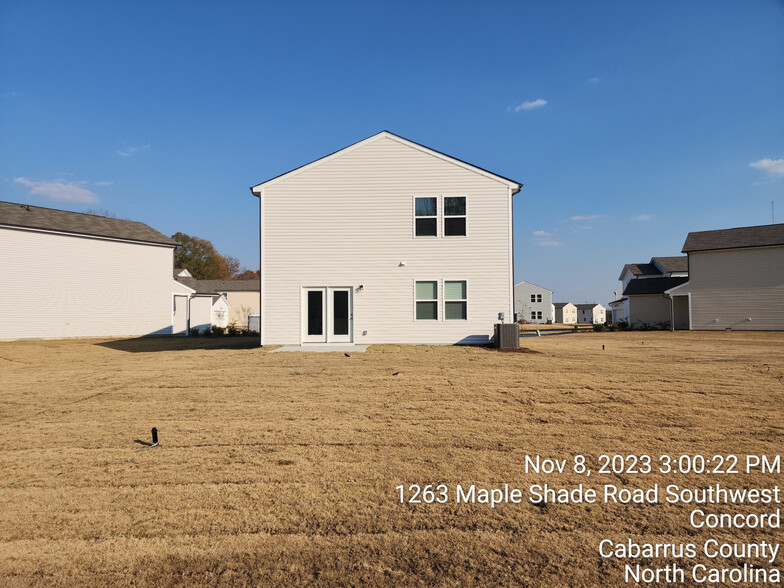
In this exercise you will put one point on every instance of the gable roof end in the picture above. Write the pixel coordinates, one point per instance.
(515, 186)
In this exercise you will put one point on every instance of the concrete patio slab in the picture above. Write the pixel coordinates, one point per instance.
(323, 348)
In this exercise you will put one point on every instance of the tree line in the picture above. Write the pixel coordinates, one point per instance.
(203, 261)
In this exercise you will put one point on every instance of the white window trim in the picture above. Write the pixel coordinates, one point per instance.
(415, 217)
(436, 300)
(441, 300)
(443, 314)
(440, 216)
(444, 217)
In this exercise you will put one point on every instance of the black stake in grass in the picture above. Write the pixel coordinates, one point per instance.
(154, 436)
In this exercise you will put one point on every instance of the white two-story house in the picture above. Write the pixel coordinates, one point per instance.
(385, 241)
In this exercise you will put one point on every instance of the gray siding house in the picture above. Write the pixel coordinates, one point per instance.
(385, 241)
(736, 280)
(533, 303)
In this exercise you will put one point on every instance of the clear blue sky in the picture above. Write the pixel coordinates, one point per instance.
(630, 123)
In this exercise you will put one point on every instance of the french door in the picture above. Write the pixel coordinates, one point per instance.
(327, 315)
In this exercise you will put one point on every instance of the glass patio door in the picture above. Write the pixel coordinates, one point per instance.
(327, 315)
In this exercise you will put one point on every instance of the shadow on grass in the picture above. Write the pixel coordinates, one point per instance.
(178, 343)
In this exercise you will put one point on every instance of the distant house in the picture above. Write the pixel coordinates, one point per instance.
(68, 274)
(565, 313)
(242, 296)
(385, 241)
(647, 302)
(641, 298)
(735, 281)
(231, 300)
(534, 303)
(590, 314)
(193, 304)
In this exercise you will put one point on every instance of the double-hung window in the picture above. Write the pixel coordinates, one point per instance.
(450, 210)
(426, 217)
(427, 301)
(454, 216)
(455, 301)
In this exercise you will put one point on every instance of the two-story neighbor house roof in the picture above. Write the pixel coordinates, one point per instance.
(641, 299)
(385, 241)
(736, 280)
(677, 266)
(68, 274)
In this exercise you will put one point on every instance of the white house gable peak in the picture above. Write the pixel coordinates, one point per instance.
(511, 184)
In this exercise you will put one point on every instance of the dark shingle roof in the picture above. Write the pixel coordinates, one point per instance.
(561, 304)
(50, 219)
(231, 285)
(653, 285)
(679, 263)
(215, 286)
(588, 306)
(759, 236)
(640, 269)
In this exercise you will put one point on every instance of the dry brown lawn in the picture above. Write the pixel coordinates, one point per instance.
(281, 468)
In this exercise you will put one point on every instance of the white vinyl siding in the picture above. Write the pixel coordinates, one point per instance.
(427, 300)
(57, 285)
(455, 300)
(348, 220)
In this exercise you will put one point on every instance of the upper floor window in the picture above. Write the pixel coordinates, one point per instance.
(426, 213)
(454, 216)
(536, 297)
(429, 210)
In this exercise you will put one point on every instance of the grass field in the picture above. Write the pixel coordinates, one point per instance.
(281, 468)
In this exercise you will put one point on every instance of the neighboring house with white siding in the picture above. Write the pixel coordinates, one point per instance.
(231, 301)
(534, 303)
(241, 295)
(565, 313)
(590, 314)
(69, 274)
(735, 280)
(385, 241)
